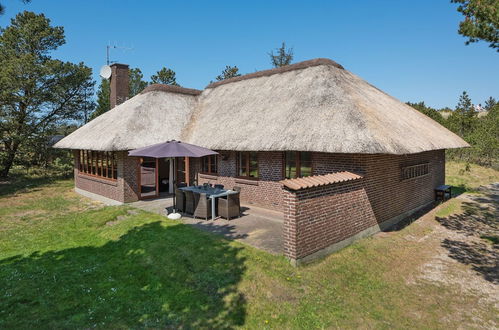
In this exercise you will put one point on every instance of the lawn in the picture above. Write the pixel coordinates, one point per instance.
(67, 262)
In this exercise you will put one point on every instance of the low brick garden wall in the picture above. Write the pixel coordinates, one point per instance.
(315, 219)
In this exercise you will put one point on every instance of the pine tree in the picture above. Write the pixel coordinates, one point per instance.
(164, 76)
(228, 72)
(282, 57)
(37, 92)
(136, 84)
(103, 99)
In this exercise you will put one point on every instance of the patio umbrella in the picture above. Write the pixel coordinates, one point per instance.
(172, 149)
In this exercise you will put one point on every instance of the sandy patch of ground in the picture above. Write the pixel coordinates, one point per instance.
(464, 253)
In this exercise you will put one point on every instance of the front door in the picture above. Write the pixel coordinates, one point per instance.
(148, 177)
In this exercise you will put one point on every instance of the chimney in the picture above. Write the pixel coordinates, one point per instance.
(119, 84)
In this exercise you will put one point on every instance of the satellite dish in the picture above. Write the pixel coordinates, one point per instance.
(105, 72)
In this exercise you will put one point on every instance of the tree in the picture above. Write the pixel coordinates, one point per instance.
(37, 92)
(485, 137)
(88, 105)
(481, 21)
(136, 84)
(103, 99)
(490, 103)
(282, 57)
(463, 119)
(2, 8)
(430, 112)
(164, 76)
(228, 72)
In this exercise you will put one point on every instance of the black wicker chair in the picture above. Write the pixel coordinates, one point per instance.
(219, 186)
(229, 207)
(180, 200)
(203, 206)
(190, 202)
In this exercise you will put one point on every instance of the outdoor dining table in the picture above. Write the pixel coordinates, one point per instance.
(212, 193)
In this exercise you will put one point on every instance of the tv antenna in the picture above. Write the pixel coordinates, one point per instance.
(108, 49)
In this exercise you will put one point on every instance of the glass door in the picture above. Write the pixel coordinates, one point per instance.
(148, 177)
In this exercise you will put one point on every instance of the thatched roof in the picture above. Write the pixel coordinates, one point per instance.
(143, 120)
(314, 105)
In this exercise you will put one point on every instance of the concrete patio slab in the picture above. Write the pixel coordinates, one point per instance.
(258, 227)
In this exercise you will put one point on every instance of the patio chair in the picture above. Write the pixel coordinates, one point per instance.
(229, 207)
(203, 206)
(219, 186)
(181, 185)
(189, 202)
(180, 200)
(236, 188)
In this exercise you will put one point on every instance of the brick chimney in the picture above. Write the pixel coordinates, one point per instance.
(119, 84)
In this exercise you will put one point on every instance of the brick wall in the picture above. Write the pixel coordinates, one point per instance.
(389, 195)
(265, 192)
(317, 218)
(124, 189)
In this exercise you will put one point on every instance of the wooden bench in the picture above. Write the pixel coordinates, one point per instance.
(443, 192)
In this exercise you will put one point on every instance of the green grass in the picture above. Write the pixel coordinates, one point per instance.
(467, 178)
(63, 266)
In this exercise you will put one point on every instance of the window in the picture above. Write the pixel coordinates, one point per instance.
(181, 169)
(414, 171)
(98, 163)
(247, 163)
(297, 164)
(209, 164)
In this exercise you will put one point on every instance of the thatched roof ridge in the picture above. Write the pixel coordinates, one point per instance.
(320, 108)
(309, 106)
(171, 89)
(282, 69)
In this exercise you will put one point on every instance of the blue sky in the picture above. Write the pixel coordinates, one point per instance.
(409, 49)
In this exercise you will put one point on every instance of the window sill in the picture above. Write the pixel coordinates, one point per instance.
(208, 176)
(249, 181)
(112, 182)
(416, 177)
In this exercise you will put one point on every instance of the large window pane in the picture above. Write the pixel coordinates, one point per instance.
(297, 164)
(253, 165)
(305, 164)
(243, 163)
(290, 167)
(213, 164)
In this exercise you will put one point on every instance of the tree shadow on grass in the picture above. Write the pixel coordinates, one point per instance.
(480, 222)
(20, 183)
(482, 258)
(153, 276)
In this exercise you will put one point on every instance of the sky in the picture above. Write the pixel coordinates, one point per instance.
(409, 49)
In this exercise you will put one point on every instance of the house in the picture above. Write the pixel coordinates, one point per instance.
(340, 158)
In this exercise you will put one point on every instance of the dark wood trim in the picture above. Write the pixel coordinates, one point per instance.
(247, 165)
(156, 170)
(208, 176)
(208, 159)
(247, 180)
(187, 171)
(298, 163)
(140, 180)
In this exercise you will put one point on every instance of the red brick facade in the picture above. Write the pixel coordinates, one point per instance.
(316, 219)
(124, 189)
(265, 192)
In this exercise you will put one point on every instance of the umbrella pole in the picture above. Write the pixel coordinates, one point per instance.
(174, 185)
